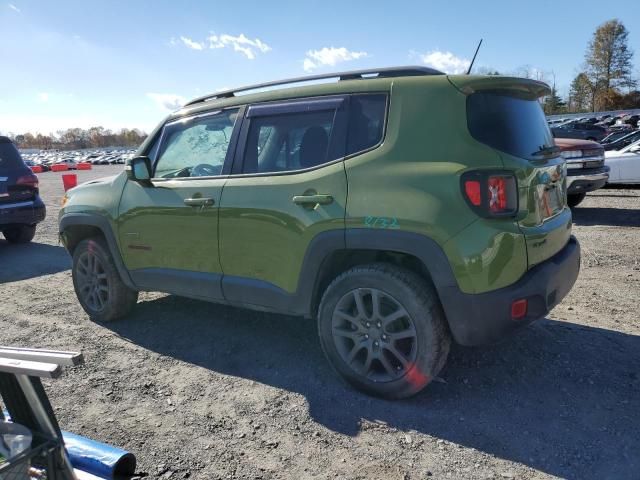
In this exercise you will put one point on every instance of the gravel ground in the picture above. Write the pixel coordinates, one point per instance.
(202, 391)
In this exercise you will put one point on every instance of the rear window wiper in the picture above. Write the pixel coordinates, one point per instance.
(546, 150)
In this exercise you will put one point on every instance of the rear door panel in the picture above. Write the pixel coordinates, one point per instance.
(264, 233)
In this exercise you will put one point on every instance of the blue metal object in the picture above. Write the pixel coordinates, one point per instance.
(98, 458)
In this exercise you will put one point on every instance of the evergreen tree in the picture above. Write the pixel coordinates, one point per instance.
(553, 104)
(581, 93)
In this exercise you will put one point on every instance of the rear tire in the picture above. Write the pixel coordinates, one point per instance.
(21, 234)
(575, 199)
(383, 330)
(97, 282)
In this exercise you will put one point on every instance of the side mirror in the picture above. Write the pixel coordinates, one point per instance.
(139, 170)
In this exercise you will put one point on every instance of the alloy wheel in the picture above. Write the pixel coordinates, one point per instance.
(374, 334)
(92, 281)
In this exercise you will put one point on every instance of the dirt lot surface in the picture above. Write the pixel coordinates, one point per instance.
(202, 391)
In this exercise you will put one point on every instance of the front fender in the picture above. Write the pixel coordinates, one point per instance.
(69, 220)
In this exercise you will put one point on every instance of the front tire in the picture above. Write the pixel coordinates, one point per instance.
(383, 330)
(575, 199)
(21, 234)
(97, 282)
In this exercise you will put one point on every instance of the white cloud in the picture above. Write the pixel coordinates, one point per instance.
(192, 43)
(329, 56)
(168, 101)
(249, 48)
(43, 96)
(13, 7)
(242, 44)
(445, 61)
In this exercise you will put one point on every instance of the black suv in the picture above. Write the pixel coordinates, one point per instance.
(20, 205)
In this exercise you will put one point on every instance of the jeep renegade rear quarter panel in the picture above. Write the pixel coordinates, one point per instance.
(412, 183)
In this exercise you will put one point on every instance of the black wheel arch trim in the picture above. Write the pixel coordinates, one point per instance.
(102, 224)
(324, 244)
(254, 293)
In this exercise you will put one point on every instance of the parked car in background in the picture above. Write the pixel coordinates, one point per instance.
(20, 205)
(622, 140)
(69, 162)
(586, 171)
(630, 120)
(608, 122)
(624, 164)
(579, 130)
(613, 136)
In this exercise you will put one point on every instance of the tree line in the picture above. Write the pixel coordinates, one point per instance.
(77, 138)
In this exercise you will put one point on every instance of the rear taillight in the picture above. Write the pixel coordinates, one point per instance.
(473, 191)
(491, 194)
(28, 181)
(498, 195)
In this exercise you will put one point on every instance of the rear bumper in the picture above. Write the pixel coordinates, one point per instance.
(586, 180)
(22, 213)
(476, 319)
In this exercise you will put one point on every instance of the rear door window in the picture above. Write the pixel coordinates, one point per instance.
(285, 142)
(296, 135)
(513, 125)
(366, 122)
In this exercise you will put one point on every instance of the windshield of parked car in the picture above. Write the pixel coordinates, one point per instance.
(513, 125)
(633, 148)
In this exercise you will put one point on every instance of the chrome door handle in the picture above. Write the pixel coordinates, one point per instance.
(312, 199)
(199, 202)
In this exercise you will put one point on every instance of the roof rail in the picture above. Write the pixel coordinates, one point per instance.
(409, 71)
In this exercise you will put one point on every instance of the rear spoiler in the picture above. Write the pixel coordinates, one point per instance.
(520, 87)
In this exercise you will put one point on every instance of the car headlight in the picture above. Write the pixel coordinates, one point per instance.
(64, 200)
(571, 154)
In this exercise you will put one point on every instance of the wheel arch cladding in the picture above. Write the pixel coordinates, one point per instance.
(330, 258)
(75, 227)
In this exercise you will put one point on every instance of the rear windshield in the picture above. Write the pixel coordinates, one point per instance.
(512, 125)
(9, 157)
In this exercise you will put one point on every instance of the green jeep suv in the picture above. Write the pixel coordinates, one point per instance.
(400, 207)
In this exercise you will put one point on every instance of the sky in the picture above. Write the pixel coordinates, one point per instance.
(116, 64)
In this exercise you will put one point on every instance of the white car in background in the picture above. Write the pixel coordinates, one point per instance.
(624, 164)
(69, 162)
